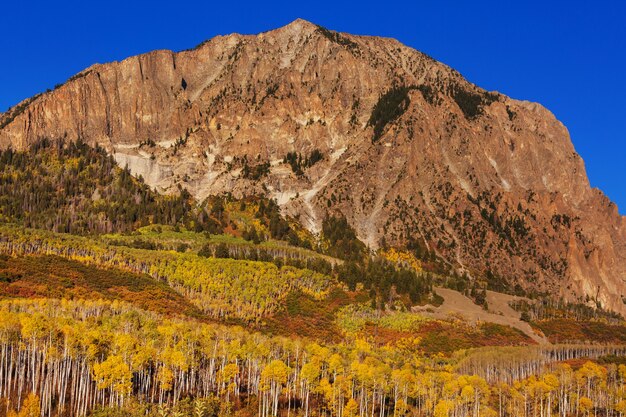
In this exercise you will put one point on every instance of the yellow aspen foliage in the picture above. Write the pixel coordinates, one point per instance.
(551, 381)
(165, 377)
(402, 258)
(443, 408)
(585, 404)
(310, 371)
(488, 412)
(326, 389)
(401, 408)
(335, 363)
(166, 360)
(222, 288)
(276, 371)
(361, 347)
(409, 344)
(30, 407)
(228, 373)
(351, 408)
(113, 373)
(590, 371)
(467, 394)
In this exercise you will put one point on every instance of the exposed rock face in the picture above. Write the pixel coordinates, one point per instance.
(411, 150)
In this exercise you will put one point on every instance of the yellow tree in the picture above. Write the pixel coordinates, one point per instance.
(549, 385)
(273, 377)
(443, 408)
(115, 375)
(591, 375)
(351, 408)
(309, 375)
(30, 407)
(585, 405)
(226, 377)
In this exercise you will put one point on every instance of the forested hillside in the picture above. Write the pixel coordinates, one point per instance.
(221, 287)
(117, 301)
(81, 356)
(72, 187)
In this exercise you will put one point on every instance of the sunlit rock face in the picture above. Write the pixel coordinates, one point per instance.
(411, 150)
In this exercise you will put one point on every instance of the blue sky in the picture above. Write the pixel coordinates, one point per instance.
(568, 55)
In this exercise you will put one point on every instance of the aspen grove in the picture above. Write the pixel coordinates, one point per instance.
(78, 356)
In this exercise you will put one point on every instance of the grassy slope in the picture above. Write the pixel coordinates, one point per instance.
(55, 277)
(298, 314)
(222, 288)
(570, 330)
(430, 335)
(447, 337)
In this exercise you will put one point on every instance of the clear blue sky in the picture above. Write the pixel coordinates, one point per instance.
(568, 55)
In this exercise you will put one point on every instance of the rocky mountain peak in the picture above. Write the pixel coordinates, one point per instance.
(298, 26)
(326, 123)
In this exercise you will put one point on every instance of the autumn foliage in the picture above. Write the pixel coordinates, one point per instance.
(79, 355)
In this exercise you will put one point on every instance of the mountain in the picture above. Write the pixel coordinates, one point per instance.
(328, 123)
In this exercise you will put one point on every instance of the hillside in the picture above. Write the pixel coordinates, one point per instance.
(325, 122)
(143, 327)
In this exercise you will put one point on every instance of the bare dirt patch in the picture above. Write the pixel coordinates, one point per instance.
(499, 311)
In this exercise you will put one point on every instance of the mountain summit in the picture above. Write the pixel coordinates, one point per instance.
(404, 147)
